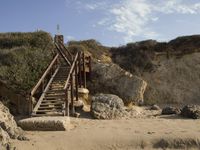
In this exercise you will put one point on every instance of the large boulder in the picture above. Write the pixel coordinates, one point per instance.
(191, 111)
(4, 140)
(107, 106)
(45, 124)
(8, 124)
(169, 110)
(110, 78)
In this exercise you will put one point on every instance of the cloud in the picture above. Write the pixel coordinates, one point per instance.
(130, 18)
(133, 18)
(94, 6)
(70, 38)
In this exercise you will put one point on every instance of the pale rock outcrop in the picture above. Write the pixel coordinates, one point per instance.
(4, 140)
(8, 124)
(107, 106)
(110, 78)
(8, 129)
(45, 124)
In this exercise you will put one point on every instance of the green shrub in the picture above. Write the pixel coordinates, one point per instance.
(92, 46)
(23, 58)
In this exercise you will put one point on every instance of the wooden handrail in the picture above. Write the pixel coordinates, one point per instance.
(69, 53)
(44, 75)
(62, 54)
(71, 70)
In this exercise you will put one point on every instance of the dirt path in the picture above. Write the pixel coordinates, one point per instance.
(89, 134)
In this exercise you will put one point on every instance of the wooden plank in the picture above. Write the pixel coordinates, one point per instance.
(80, 73)
(52, 100)
(71, 71)
(54, 110)
(69, 53)
(50, 107)
(84, 73)
(72, 94)
(76, 80)
(52, 103)
(62, 54)
(44, 75)
(45, 90)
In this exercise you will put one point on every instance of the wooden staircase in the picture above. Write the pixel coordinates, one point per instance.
(57, 89)
(53, 100)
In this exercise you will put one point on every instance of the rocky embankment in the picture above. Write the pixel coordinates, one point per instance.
(111, 79)
(8, 129)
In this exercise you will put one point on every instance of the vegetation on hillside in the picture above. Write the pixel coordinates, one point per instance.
(139, 57)
(135, 57)
(90, 47)
(23, 58)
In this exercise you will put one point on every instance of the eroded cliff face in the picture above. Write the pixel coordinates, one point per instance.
(175, 80)
(171, 70)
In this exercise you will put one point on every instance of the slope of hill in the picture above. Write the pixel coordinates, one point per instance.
(172, 69)
(93, 48)
(23, 58)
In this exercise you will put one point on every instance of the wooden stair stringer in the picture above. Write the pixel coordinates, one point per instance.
(43, 94)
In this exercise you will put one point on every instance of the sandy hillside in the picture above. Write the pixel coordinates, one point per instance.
(126, 134)
(176, 80)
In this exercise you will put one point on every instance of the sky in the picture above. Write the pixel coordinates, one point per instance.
(111, 22)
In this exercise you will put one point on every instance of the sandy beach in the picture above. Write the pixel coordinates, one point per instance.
(125, 134)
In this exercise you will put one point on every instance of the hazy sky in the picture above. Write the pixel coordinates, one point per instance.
(111, 22)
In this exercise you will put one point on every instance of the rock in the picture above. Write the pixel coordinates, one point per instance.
(110, 78)
(45, 124)
(191, 111)
(107, 106)
(154, 107)
(170, 110)
(4, 140)
(8, 124)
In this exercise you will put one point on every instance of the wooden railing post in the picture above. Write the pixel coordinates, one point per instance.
(66, 103)
(90, 67)
(76, 80)
(72, 94)
(84, 73)
(30, 104)
(80, 70)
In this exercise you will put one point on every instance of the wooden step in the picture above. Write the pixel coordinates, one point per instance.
(61, 76)
(55, 110)
(55, 92)
(54, 88)
(57, 84)
(55, 96)
(50, 107)
(55, 114)
(57, 103)
(52, 100)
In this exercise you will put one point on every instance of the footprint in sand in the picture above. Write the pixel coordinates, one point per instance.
(150, 132)
(137, 131)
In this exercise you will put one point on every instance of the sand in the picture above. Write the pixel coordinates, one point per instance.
(125, 134)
